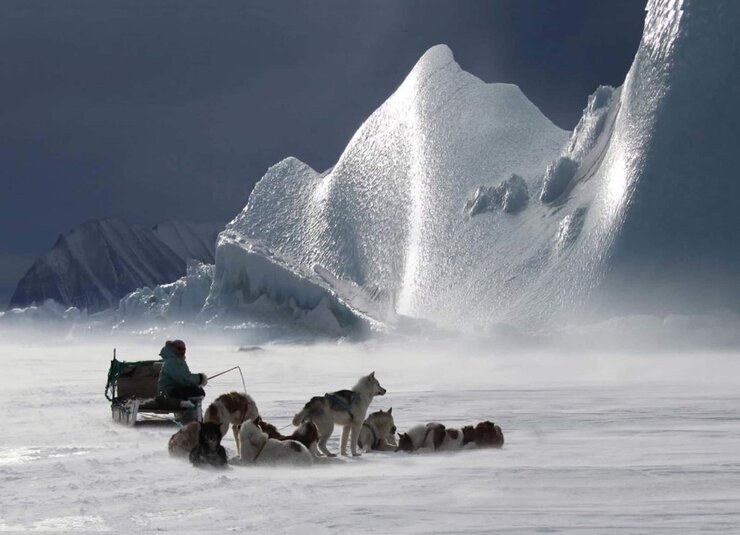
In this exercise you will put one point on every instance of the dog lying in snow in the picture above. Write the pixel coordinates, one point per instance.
(378, 432)
(430, 437)
(307, 434)
(209, 450)
(484, 434)
(344, 407)
(257, 448)
(227, 409)
(184, 440)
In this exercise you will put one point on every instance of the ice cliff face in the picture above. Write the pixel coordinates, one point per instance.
(671, 164)
(635, 207)
(94, 265)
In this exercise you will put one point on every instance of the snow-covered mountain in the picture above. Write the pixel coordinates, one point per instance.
(190, 240)
(460, 203)
(95, 264)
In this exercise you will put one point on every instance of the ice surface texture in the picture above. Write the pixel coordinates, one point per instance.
(638, 203)
(673, 159)
(183, 298)
(511, 195)
(387, 221)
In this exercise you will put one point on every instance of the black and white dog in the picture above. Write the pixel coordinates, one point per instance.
(209, 450)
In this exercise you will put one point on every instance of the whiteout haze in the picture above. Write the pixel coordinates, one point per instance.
(515, 257)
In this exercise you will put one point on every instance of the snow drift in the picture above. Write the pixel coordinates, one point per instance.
(634, 212)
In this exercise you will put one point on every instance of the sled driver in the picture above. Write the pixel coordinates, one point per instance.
(176, 381)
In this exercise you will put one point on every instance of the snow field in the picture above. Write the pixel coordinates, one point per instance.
(594, 443)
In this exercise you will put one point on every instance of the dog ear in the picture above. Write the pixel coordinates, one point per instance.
(390, 410)
(372, 375)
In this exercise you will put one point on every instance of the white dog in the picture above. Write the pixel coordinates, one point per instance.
(430, 437)
(257, 448)
(378, 432)
(344, 407)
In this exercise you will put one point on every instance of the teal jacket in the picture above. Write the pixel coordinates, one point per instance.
(175, 372)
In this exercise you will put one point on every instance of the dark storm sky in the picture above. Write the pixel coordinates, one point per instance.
(158, 110)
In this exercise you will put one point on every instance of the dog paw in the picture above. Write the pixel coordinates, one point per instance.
(357, 455)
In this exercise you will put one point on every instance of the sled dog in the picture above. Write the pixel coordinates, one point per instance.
(209, 450)
(378, 432)
(484, 434)
(430, 437)
(316, 412)
(231, 409)
(307, 434)
(184, 440)
(343, 407)
(257, 448)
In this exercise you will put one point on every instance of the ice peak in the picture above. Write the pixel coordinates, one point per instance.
(434, 58)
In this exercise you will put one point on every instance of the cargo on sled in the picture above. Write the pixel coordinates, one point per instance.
(132, 391)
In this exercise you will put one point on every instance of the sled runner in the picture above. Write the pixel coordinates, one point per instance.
(132, 391)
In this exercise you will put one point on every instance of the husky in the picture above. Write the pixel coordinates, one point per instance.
(453, 440)
(258, 448)
(316, 412)
(184, 440)
(209, 450)
(430, 437)
(232, 409)
(344, 407)
(484, 434)
(307, 434)
(378, 432)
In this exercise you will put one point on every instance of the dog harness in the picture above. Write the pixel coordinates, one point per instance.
(343, 399)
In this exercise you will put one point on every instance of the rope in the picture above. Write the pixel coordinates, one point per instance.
(244, 384)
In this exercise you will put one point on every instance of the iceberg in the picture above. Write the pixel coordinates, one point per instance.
(181, 299)
(635, 213)
(387, 221)
(459, 206)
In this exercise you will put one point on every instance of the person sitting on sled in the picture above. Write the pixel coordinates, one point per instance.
(176, 382)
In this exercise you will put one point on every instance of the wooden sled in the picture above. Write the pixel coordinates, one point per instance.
(132, 391)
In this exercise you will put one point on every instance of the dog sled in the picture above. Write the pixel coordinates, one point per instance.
(132, 392)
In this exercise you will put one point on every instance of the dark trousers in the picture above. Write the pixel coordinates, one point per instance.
(185, 392)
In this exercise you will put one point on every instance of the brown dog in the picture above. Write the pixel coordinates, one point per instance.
(182, 442)
(307, 434)
(227, 409)
(232, 409)
(485, 434)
